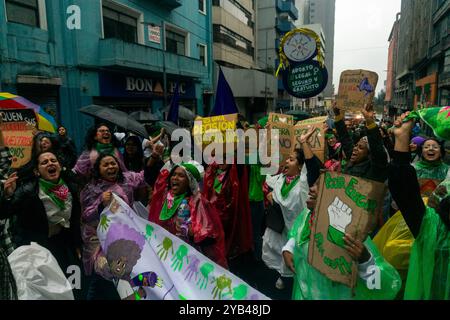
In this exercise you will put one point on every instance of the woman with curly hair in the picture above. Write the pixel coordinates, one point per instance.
(99, 139)
(107, 178)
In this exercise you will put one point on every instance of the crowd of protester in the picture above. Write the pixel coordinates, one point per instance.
(228, 210)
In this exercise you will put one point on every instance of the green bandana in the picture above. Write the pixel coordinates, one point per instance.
(58, 192)
(285, 189)
(106, 148)
(427, 164)
(167, 213)
(217, 182)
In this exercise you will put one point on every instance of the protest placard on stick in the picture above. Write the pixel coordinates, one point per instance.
(284, 124)
(345, 204)
(317, 140)
(209, 130)
(356, 88)
(17, 128)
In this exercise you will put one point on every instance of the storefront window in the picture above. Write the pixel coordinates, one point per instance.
(118, 25)
(23, 11)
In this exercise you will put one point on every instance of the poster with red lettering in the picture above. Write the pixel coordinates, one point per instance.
(345, 205)
(17, 128)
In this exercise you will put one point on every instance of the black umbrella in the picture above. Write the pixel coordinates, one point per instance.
(169, 126)
(299, 115)
(144, 116)
(115, 117)
(183, 113)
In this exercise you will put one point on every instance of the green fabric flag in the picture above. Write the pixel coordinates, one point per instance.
(106, 148)
(286, 188)
(166, 212)
(438, 118)
(56, 191)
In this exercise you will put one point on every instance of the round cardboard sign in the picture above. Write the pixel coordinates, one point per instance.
(300, 47)
(305, 80)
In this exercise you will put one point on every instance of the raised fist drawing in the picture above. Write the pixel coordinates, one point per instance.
(340, 217)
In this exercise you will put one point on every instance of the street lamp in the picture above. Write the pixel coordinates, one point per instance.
(164, 57)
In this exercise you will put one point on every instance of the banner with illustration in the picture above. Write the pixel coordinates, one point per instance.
(160, 266)
(345, 204)
(317, 140)
(17, 128)
(356, 88)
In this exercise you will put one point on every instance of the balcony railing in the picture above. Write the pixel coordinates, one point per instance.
(170, 4)
(288, 7)
(115, 52)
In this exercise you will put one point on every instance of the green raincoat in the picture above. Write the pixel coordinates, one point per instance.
(429, 264)
(310, 284)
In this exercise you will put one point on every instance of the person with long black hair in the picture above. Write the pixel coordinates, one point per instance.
(99, 139)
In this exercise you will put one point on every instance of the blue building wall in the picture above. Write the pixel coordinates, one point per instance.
(88, 65)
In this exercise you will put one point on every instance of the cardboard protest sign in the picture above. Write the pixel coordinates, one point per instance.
(213, 129)
(281, 118)
(427, 186)
(317, 140)
(145, 257)
(285, 139)
(356, 88)
(17, 128)
(345, 204)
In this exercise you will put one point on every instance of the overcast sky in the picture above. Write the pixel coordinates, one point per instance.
(361, 36)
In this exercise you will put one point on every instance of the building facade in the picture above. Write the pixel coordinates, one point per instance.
(392, 66)
(423, 56)
(236, 25)
(129, 54)
(275, 19)
(323, 12)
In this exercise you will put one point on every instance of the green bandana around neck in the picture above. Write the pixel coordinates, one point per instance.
(167, 213)
(286, 188)
(106, 148)
(424, 164)
(217, 183)
(49, 189)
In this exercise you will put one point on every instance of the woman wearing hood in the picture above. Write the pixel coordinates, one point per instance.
(430, 164)
(178, 206)
(367, 158)
(429, 263)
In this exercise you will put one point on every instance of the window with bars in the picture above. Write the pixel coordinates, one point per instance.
(23, 11)
(175, 42)
(119, 25)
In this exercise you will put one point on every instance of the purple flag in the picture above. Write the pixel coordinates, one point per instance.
(225, 103)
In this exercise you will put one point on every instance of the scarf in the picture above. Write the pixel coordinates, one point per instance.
(107, 148)
(288, 184)
(426, 165)
(58, 192)
(218, 181)
(171, 205)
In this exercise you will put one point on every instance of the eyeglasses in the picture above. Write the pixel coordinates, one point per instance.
(103, 131)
